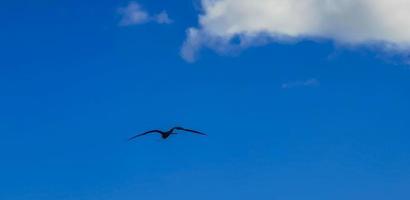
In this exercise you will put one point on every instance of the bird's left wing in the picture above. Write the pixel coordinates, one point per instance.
(189, 130)
(153, 131)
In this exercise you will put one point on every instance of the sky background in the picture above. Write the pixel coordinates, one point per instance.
(306, 120)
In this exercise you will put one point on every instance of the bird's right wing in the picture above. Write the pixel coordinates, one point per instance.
(189, 130)
(153, 131)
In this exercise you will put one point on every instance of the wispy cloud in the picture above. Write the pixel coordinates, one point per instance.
(352, 23)
(163, 18)
(135, 14)
(312, 82)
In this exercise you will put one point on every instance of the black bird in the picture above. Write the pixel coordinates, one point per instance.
(166, 134)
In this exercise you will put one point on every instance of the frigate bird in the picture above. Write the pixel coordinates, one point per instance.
(166, 134)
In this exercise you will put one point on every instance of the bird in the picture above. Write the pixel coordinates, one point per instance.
(166, 134)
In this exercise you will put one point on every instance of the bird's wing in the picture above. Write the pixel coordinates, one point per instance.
(153, 131)
(189, 130)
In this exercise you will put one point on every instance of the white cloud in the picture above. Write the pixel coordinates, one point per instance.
(163, 18)
(306, 83)
(348, 22)
(134, 14)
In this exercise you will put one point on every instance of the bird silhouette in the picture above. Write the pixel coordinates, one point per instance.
(166, 134)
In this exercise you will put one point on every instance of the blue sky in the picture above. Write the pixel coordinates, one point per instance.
(286, 121)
